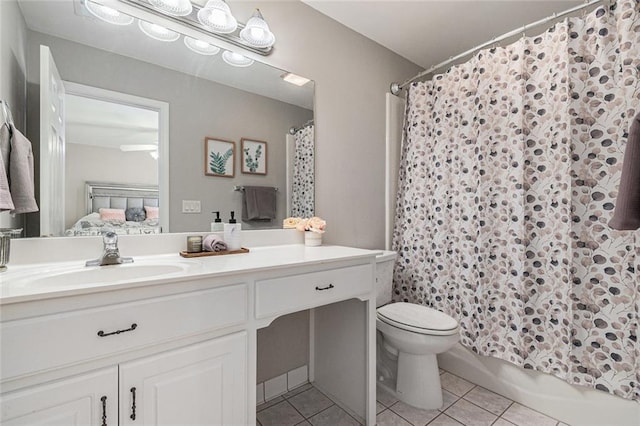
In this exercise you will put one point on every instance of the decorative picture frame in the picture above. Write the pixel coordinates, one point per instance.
(254, 156)
(219, 157)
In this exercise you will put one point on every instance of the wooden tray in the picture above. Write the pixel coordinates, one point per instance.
(213, 253)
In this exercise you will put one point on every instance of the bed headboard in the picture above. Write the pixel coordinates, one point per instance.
(119, 196)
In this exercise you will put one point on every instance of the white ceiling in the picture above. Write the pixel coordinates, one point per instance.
(427, 32)
(108, 124)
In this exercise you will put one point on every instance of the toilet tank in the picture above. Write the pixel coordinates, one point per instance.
(384, 276)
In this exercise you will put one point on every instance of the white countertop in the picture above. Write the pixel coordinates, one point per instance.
(17, 284)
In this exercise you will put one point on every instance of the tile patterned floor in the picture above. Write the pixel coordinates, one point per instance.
(465, 404)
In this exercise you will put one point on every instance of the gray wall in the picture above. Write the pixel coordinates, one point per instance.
(352, 75)
(95, 163)
(197, 108)
(13, 88)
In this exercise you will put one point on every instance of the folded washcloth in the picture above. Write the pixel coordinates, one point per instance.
(213, 243)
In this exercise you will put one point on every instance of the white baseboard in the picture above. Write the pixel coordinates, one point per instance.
(276, 386)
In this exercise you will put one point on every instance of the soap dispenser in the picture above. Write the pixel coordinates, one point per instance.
(232, 234)
(217, 225)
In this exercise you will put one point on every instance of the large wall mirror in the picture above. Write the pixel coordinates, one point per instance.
(132, 113)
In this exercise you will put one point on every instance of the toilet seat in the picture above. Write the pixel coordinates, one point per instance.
(417, 319)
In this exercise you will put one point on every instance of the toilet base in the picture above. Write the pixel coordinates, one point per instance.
(418, 381)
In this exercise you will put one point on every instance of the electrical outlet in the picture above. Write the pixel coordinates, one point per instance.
(190, 206)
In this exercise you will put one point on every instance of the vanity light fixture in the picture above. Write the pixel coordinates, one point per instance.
(173, 7)
(157, 32)
(107, 14)
(216, 20)
(236, 59)
(201, 47)
(292, 78)
(256, 32)
(216, 16)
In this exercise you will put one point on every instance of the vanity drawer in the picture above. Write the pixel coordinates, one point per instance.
(289, 294)
(49, 341)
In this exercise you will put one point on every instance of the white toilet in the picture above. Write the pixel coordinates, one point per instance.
(409, 337)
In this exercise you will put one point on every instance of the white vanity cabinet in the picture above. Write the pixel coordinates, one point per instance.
(86, 399)
(182, 350)
(200, 384)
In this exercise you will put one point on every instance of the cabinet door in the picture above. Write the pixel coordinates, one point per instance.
(74, 401)
(201, 384)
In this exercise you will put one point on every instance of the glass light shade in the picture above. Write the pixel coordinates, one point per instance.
(201, 47)
(173, 7)
(236, 59)
(217, 17)
(107, 14)
(256, 32)
(157, 32)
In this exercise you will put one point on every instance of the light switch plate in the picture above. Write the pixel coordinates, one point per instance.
(190, 206)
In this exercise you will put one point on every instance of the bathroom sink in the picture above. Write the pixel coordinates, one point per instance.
(84, 276)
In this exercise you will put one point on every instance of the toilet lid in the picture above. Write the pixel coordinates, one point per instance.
(417, 318)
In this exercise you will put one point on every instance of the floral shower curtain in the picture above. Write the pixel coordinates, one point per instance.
(303, 182)
(509, 173)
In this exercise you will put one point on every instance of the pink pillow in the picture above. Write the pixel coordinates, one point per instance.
(152, 212)
(112, 214)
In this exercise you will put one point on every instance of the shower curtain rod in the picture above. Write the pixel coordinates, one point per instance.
(397, 87)
(293, 129)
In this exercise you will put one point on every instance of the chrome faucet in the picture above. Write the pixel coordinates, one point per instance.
(111, 253)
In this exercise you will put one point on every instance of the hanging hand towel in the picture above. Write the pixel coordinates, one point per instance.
(258, 203)
(21, 173)
(627, 210)
(6, 202)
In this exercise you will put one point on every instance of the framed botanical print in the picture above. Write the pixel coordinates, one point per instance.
(254, 157)
(219, 157)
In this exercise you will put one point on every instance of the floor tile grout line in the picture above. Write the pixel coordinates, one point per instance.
(499, 415)
(296, 394)
(442, 413)
(407, 420)
(334, 403)
(539, 412)
(292, 406)
(315, 414)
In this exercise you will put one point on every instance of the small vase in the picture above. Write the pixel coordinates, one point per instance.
(312, 239)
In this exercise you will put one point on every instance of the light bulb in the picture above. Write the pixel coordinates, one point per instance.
(201, 47)
(108, 11)
(257, 33)
(173, 7)
(159, 29)
(236, 59)
(158, 32)
(218, 17)
(107, 14)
